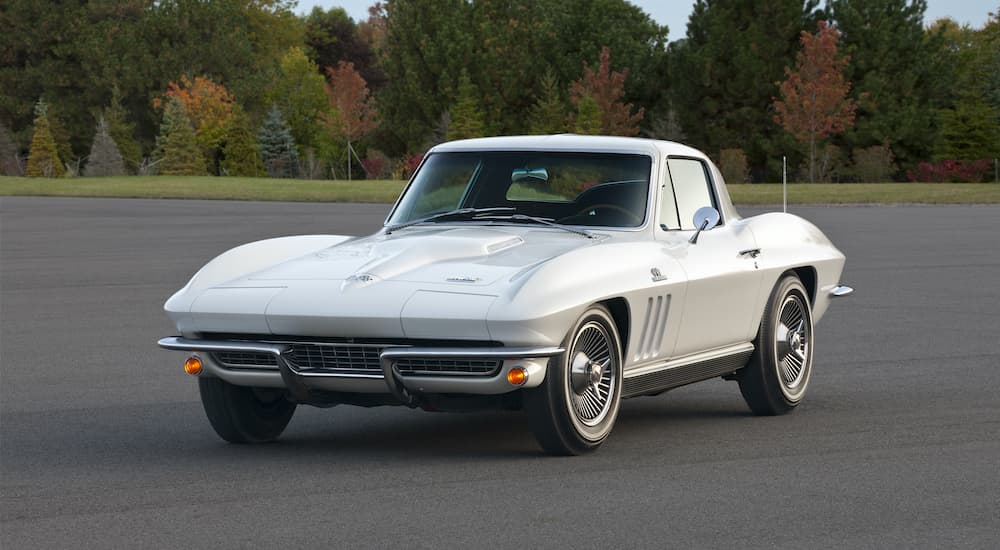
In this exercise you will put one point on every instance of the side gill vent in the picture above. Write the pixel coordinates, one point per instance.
(653, 328)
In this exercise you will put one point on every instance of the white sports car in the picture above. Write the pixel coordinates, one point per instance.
(555, 274)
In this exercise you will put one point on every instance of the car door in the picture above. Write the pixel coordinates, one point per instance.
(723, 278)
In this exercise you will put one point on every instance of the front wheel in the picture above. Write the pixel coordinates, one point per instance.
(776, 378)
(574, 409)
(242, 414)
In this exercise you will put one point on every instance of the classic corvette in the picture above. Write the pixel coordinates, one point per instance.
(554, 274)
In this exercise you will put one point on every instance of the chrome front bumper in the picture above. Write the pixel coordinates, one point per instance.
(301, 382)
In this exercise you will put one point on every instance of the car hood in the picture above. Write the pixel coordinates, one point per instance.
(415, 283)
(465, 256)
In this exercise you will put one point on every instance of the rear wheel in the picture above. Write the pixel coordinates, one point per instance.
(776, 379)
(574, 409)
(242, 414)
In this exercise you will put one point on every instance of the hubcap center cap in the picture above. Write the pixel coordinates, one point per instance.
(595, 373)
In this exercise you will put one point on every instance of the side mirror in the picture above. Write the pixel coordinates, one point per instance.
(705, 218)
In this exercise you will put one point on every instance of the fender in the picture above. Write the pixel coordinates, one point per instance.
(242, 260)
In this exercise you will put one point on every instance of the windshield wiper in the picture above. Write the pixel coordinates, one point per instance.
(461, 212)
(543, 221)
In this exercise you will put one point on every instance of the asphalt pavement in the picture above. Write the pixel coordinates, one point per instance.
(104, 444)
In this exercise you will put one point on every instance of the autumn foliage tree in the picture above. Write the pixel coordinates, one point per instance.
(607, 88)
(352, 111)
(209, 106)
(814, 100)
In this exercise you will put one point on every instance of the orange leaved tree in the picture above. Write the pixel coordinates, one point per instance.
(209, 105)
(814, 103)
(352, 112)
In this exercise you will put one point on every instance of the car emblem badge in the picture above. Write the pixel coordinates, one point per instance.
(463, 279)
(657, 276)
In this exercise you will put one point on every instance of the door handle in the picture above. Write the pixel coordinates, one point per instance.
(750, 252)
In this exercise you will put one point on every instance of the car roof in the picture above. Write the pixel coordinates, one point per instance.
(570, 142)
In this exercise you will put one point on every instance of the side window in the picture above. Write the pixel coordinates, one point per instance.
(692, 189)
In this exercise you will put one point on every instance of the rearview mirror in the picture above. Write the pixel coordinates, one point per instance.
(705, 218)
(532, 175)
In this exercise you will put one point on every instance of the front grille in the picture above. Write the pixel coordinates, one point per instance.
(246, 359)
(432, 366)
(355, 359)
(339, 358)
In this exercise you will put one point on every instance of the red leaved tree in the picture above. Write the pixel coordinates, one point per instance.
(607, 87)
(814, 102)
(352, 112)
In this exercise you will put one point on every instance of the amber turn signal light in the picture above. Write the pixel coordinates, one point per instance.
(192, 366)
(517, 376)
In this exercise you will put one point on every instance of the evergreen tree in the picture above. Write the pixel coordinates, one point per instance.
(241, 157)
(105, 159)
(588, 115)
(62, 137)
(548, 115)
(43, 158)
(726, 71)
(502, 44)
(277, 146)
(123, 132)
(968, 131)
(178, 146)
(467, 115)
(895, 75)
(10, 162)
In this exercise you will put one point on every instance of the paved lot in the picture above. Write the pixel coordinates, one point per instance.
(103, 442)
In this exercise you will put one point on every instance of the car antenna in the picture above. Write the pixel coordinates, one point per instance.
(784, 183)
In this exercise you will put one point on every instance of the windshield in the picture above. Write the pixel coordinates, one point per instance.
(589, 189)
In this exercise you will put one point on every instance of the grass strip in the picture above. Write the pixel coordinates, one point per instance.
(383, 191)
(206, 187)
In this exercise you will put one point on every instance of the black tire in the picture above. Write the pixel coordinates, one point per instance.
(569, 412)
(777, 376)
(242, 414)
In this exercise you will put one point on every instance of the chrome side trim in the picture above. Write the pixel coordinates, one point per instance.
(840, 291)
(648, 368)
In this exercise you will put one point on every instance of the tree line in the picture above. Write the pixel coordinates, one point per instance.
(853, 90)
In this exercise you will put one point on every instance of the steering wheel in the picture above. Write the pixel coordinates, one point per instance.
(614, 207)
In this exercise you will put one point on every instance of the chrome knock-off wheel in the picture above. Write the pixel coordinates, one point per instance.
(592, 375)
(777, 376)
(792, 343)
(574, 409)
